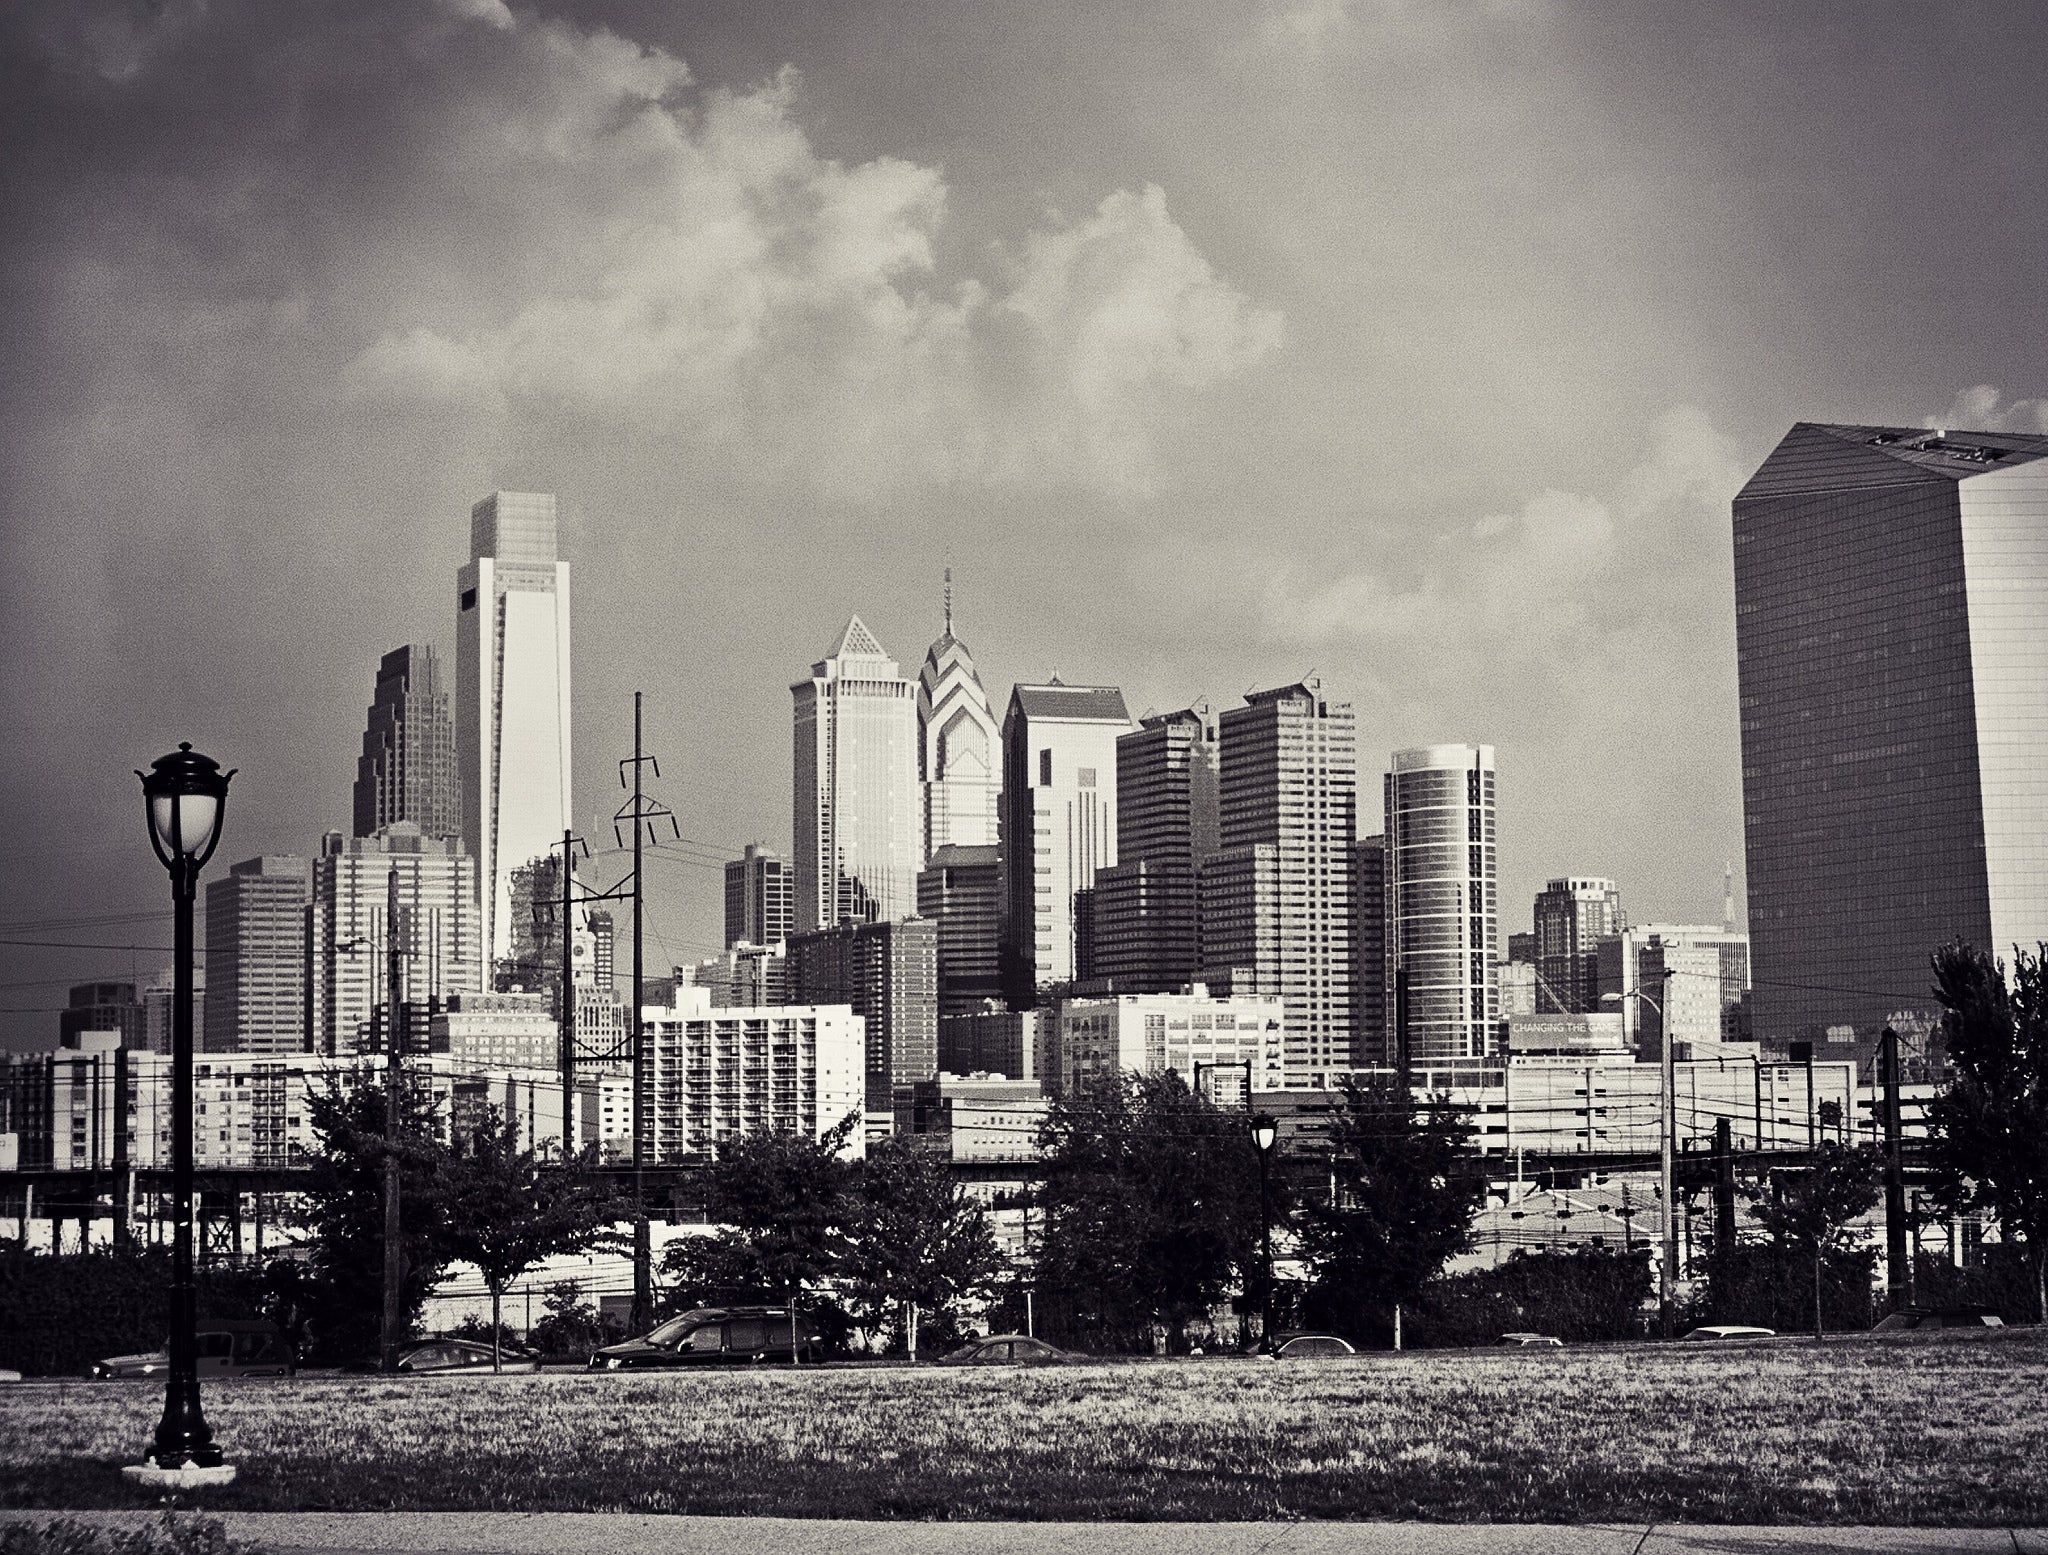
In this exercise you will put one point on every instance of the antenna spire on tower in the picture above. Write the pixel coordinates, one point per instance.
(949, 601)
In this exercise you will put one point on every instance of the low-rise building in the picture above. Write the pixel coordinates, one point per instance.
(1150, 1033)
(1007, 1043)
(973, 1117)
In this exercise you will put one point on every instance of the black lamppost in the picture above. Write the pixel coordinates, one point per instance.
(1264, 1132)
(185, 794)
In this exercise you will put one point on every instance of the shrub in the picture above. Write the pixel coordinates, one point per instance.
(1772, 1287)
(166, 1535)
(60, 1313)
(1580, 1294)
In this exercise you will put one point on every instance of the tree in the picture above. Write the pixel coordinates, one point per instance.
(344, 1212)
(1810, 1212)
(1990, 1127)
(917, 1240)
(1151, 1201)
(504, 1214)
(1405, 1184)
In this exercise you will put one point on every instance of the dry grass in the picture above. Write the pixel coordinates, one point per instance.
(1928, 1429)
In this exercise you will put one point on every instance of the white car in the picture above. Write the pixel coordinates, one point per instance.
(1732, 1331)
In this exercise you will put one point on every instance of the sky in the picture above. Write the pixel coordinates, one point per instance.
(1418, 345)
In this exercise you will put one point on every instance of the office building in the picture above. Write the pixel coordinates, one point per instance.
(1522, 948)
(716, 1076)
(858, 827)
(256, 960)
(1277, 900)
(1059, 812)
(1695, 975)
(960, 890)
(603, 951)
(407, 769)
(512, 709)
(1010, 1043)
(1891, 594)
(1515, 983)
(760, 898)
(965, 1118)
(440, 937)
(1443, 915)
(742, 977)
(1094, 1041)
(102, 1007)
(493, 1031)
(957, 745)
(1369, 947)
(888, 974)
(1573, 915)
(1146, 908)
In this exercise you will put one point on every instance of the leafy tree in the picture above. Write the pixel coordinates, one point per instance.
(1405, 1185)
(1151, 1207)
(1810, 1211)
(1990, 1127)
(917, 1240)
(504, 1214)
(343, 1302)
(572, 1326)
(1577, 1294)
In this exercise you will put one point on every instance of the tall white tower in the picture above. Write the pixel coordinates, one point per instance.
(1443, 916)
(859, 836)
(512, 697)
(958, 741)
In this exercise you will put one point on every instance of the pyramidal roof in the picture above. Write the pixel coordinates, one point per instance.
(857, 642)
(1820, 456)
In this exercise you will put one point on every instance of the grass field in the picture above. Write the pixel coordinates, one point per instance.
(1916, 1428)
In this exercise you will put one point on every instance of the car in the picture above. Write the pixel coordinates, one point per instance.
(1306, 1346)
(709, 1336)
(447, 1355)
(227, 1347)
(1522, 1341)
(1947, 1317)
(1006, 1350)
(1732, 1331)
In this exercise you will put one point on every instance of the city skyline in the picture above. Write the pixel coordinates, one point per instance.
(1150, 359)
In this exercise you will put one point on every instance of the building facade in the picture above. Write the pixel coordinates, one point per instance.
(407, 769)
(1010, 1043)
(1891, 589)
(859, 835)
(760, 898)
(103, 1007)
(888, 974)
(480, 1032)
(1096, 1041)
(1443, 912)
(256, 962)
(512, 707)
(1573, 915)
(1695, 975)
(1147, 907)
(958, 746)
(960, 890)
(744, 977)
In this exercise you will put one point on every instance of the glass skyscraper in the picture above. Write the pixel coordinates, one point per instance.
(1891, 622)
(407, 769)
(1443, 918)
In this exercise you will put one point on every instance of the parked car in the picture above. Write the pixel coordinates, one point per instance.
(1304, 1346)
(1006, 1350)
(446, 1355)
(1732, 1331)
(1522, 1341)
(228, 1347)
(1947, 1317)
(712, 1335)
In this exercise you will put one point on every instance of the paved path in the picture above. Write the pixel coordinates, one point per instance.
(602, 1533)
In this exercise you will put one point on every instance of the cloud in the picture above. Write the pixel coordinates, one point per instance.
(1979, 409)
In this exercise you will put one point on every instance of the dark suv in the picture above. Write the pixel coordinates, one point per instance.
(711, 1335)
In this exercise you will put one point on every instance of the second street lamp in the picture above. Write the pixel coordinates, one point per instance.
(185, 795)
(1667, 1144)
(1264, 1132)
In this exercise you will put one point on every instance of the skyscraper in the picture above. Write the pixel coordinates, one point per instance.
(1443, 917)
(407, 769)
(957, 742)
(256, 957)
(888, 973)
(1694, 973)
(1059, 823)
(760, 898)
(961, 891)
(511, 697)
(1891, 596)
(858, 827)
(1573, 914)
(1369, 949)
(1147, 912)
(1283, 883)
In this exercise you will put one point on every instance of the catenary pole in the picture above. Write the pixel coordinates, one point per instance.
(394, 1089)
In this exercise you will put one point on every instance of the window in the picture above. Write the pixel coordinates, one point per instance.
(1045, 769)
(469, 599)
(1085, 776)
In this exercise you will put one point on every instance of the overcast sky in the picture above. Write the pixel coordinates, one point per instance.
(1416, 342)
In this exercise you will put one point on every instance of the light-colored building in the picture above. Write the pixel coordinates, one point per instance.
(1059, 811)
(1573, 915)
(439, 929)
(487, 1031)
(958, 746)
(1096, 1040)
(1443, 911)
(1694, 975)
(1516, 982)
(512, 706)
(407, 769)
(760, 898)
(974, 1118)
(256, 957)
(716, 1075)
(858, 804)
(744, 976)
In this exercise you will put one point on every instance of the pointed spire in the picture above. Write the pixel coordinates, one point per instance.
(949, 599)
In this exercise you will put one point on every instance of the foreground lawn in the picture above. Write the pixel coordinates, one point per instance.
(1928, 1429)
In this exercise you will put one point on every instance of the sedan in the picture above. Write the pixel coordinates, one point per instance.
(1006, 1350)
(1522, 1341)
(1732, 1331)
(1298, 1347)
(446, 1355)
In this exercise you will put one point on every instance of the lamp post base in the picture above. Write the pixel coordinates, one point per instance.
(188, 1476)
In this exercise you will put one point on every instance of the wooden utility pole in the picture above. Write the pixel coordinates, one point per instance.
(1897, 1255)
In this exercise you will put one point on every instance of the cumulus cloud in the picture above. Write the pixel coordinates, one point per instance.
(1983, 409)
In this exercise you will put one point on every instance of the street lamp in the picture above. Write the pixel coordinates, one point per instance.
(1264, 1132)
(185, 795)
(1667, 1264)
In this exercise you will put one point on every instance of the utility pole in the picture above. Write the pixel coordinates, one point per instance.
(394, 1085)
(1724, 1189)
(1897, 1257)
(1668, 1266)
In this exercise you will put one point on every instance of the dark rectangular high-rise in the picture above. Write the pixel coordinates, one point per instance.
(889, 973)
(1147, 920)
(1891, 593)
(961, 891)
(760, 898)
(407, 769)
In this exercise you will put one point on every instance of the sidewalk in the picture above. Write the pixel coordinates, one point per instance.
(622, 1533)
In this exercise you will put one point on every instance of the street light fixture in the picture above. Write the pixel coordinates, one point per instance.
(1265, 1131)
(1667, 1263)
(185, 796)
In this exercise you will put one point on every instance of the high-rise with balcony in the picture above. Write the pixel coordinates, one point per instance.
(1443, 914)
(1891, 628)
(760, 898)
(1573, 914)
(407, 769)
(1147, 928)
(858, 804)
(511, 697)
(1059, 810)
(1278, 897)
(958, 746)
(256, 970)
